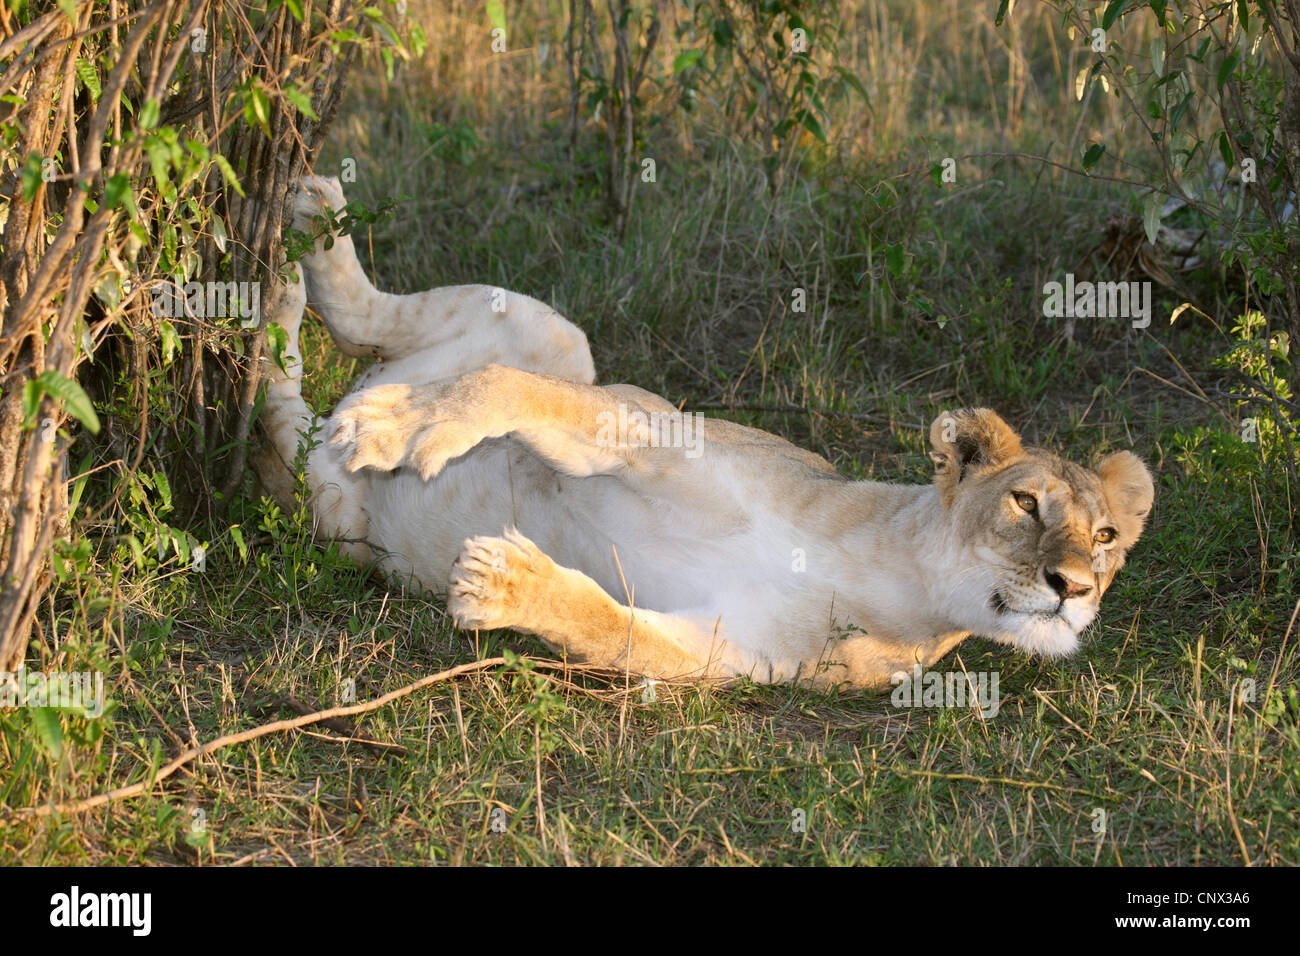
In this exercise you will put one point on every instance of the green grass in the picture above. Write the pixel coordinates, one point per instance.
(1144, 731)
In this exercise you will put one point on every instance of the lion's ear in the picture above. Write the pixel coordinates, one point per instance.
(1129, 490)
(966, 439)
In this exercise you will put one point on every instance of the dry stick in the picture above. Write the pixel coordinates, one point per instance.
(340, 727)
(33, 32)
(138, 789)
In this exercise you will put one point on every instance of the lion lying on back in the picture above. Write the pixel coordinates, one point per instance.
(478, 459)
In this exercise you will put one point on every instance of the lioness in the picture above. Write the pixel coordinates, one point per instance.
(478, 459)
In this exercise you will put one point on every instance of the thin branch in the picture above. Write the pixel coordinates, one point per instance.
(253, 733)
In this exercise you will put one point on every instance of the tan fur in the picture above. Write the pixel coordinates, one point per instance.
(478, 460)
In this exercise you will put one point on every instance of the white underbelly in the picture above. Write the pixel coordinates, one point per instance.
(597, 525)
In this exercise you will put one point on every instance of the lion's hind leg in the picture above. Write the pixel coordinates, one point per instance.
(435, 334)
(508, 581)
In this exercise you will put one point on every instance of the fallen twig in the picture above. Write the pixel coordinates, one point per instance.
(138, 789)
(327, 717)
(347, 732)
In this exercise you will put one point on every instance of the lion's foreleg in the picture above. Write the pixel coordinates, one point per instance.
(581, 430)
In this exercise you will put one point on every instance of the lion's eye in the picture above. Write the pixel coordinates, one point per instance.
(1104, 536)
(1026, 503)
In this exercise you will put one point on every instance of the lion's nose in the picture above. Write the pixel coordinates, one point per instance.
(1064, 586)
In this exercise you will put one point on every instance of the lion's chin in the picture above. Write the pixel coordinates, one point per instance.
(1045, 635)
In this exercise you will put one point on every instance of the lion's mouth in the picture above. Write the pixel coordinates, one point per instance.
(998, 604)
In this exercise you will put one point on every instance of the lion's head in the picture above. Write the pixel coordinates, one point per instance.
(1041, 537)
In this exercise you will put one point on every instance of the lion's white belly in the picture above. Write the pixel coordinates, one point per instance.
(671, 558)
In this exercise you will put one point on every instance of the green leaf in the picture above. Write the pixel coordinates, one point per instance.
(31, 402)
(238, 537)
(148, 117)
(300, 99)
(197, 150)
(496, 13)
(159, 159)
(164, 489)
(89, 78)
(32, 176)
(257, 109)
(1225, 149)
(1094, 153)
(277, 340)
(894, 258)
(1227, 66)
(228, 172)
(686, 59)
(1152, 208)
(48, 730)
(74, 398)
(1176, 115)
(171, 342)
(811, 124)
(137, 550)
(219, 234)
(852, 80)
(117, 192)
(181, 541)
(1158, 56)
(1112, 13)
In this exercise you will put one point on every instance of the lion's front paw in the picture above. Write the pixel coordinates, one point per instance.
(370, 427)
(491, 581)
(389, 426)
